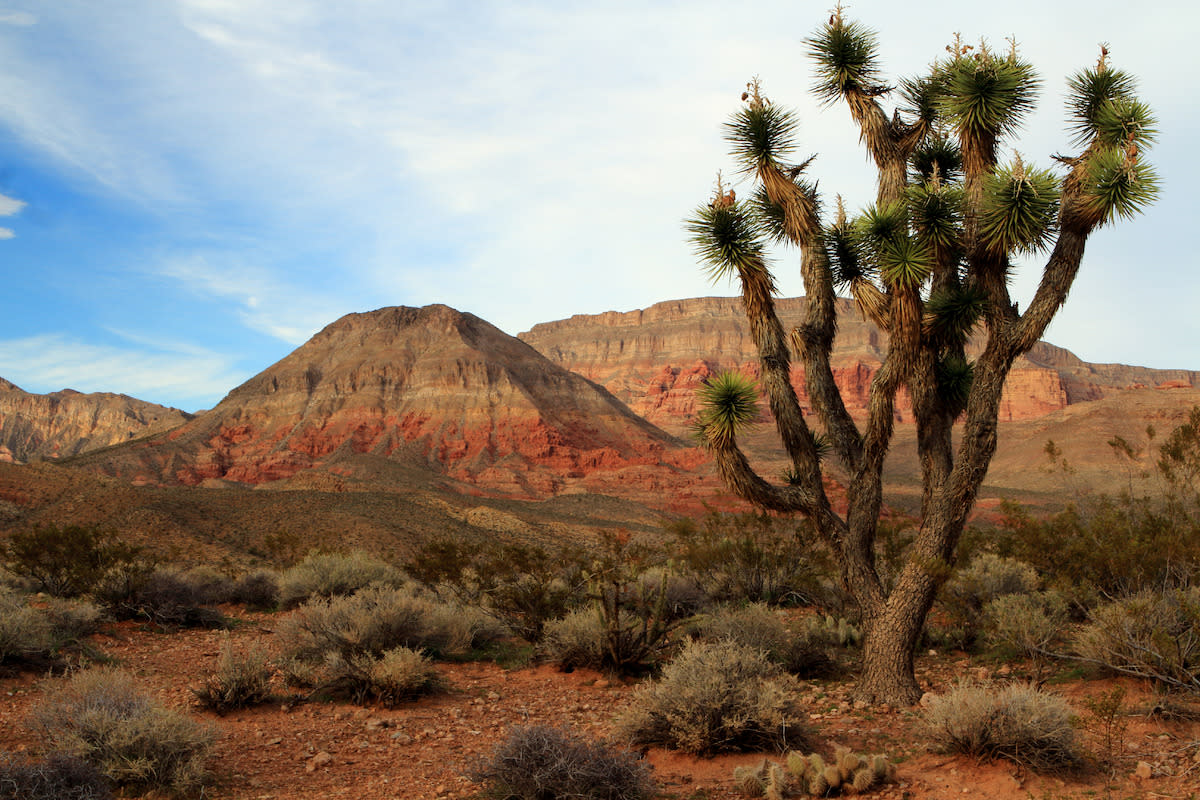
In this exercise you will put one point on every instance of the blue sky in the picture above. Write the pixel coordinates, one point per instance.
(189, 189)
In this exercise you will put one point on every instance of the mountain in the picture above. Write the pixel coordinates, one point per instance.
(441, 394)
(65, 423)
(653, 359)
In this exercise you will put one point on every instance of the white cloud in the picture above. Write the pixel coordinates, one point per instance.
(51, 362)
(6, 233)
(22, 19)
(10, 205)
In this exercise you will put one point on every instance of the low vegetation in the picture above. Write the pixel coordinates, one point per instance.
(100, 717)
(538, 762)
(717, 697)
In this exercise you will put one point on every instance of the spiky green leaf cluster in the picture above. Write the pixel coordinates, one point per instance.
(843, 247)
(920, 97)
(951, 314)
(905, 263)
(985, 94)
(761, 133)
(879, 225)
(1019, 209)
(936, 154)
(1090, 92)
(727, 239)
(770, 217)
(728, 403)
(1118, 185)
(936, 213)
(954, 376)
(846, 60)
(1124, 121)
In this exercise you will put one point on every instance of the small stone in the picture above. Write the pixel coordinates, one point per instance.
(1144, 771)
(493, 696)
(321, 759)
(400, 737)
(927, 699)
(1004, 671)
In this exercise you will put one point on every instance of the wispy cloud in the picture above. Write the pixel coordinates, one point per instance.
(22, 19)
(170, 376)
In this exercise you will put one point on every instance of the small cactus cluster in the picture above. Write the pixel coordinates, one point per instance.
(840, 631)
(848, 773)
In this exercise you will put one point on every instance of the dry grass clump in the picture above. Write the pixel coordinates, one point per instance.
(1153, 634)
(538, 762)
(56, 777)
(34, 635)
(375, 620)
(101, 718)
(334, 575)
(241, 680)
(1017, 722)
(717, 697)
(393, 677)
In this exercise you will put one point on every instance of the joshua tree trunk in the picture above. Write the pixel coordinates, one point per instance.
(929, 264)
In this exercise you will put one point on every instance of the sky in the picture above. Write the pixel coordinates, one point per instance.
(189, 189)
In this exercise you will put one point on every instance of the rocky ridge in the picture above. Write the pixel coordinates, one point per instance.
(65, 423)
(653, 359)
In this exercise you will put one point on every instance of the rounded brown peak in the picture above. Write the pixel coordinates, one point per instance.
(398, 318)
(8, 386)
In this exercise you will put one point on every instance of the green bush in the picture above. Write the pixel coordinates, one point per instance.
(804, 653)
(1027, 625)
(56, 777)
(716, 697)
(963, 597)
(542, 763)
(240, 680)
(1017, 722)
(67, 561)
(334, 575)
(523, 586)
(101, 718)
(1153, 635)
(751, 558)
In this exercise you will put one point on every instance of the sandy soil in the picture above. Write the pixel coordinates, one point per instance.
(425, 750)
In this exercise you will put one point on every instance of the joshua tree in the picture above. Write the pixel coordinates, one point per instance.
(929, 264)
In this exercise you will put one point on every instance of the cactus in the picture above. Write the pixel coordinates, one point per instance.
(847, 773)
(777, 782)
(751, 781)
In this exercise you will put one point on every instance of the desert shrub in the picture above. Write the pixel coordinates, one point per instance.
(715, 697)
(1153, 635)
(334, 575)
(101, 718)
(373, 621)
(166, 597)
(523, 586)
(390, 678)
(67, 561)
(1017, 722)
(538, 762)
(1027, 625)
(963, 597)
(211, 585)
(241, 680)
(36, 634)
(804, 652)
(257, 590)
(576, 640)
(56, 777)
(750, 558)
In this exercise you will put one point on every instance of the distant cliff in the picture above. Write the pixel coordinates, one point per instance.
(653, 359)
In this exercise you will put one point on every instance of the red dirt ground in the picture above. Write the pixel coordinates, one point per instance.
(426, 749)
